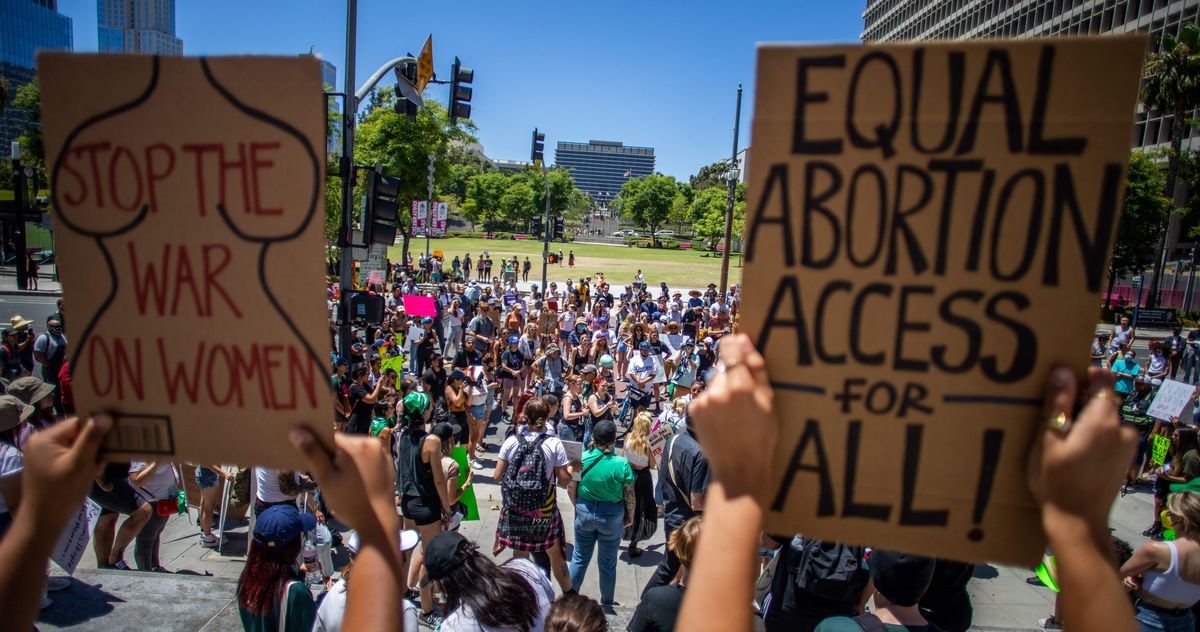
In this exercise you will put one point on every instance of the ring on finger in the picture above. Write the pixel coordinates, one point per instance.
(1057, 422)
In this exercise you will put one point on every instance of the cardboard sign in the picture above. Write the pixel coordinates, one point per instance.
(74, 539)
(574, 451)
(928, 226)
(416, 305)
(1159, 448)
(189, 198)
(658, 437)
(1170, 400)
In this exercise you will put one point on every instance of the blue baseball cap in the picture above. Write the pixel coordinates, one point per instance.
(281, 524)
(512, 340)
(644, 346)
(426, 320)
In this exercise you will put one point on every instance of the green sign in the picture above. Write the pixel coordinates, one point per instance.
(1158, 454)
(1137, 281)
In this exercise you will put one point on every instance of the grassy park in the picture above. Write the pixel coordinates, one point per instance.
(683, 268)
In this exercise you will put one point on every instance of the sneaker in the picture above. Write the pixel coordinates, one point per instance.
(1050, 623)
(54, 584)
(1153, 529)
(431, 619)
(476, 465)
(209, 541)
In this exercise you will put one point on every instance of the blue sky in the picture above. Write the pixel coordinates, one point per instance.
(657, 73)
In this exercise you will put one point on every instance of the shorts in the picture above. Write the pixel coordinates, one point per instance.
(564, 334)
(205, 477)
(510, 382)
(122, 499)
(639, 401)
(420, 511)
(478, 412)
(459, 418)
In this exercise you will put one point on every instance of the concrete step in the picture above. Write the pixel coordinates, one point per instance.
(119, 601)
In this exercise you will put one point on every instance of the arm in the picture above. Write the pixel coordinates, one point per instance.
(562, 474)
(501, 468)
(1147, 557)
(59, 463)
(431, 453)
(373, 396)
(567, 415)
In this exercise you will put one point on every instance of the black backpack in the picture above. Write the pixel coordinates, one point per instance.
(836, 572)
(525, 486)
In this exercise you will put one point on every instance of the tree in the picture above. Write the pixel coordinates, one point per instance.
(714, 175)
(483, 198)
(517, 204)
(1145, 208)
(647, 201)
(707, 213)
(1171, 88)
(33, 152)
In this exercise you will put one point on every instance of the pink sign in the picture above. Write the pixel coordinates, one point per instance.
(415, 305)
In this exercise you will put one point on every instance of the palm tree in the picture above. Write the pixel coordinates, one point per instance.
(1171, 88)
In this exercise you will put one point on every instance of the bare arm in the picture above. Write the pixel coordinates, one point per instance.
(431, 453)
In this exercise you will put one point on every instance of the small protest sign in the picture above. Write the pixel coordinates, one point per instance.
(574, 451)
(658, 437)
(395, 363)
(928, 225)
(73, 541)
(417, 305)
(1159, 449)
(459, 454)
(188, 198)
(1170, 400)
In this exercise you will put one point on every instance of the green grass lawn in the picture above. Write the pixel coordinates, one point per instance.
(684, 268)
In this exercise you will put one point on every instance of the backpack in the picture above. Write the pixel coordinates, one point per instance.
(836, 572)
(525, 485)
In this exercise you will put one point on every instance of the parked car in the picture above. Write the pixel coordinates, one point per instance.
(665, 233)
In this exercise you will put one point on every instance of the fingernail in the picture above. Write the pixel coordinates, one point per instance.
(1060, 377)
(102, 422)
(299, 437)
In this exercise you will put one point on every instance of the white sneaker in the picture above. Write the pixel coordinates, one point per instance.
(209, 541)
(476, 465)
(57, 583)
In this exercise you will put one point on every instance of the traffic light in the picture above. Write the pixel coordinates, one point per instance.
(460, 94)
(406, 90)
(557, 231)
(407, 108)
(539, 145)
(379, 220)
(535, 226)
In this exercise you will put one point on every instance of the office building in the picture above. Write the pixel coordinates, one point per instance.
(601, 167)
(889, 20)
(26, 27)
(511, 166)
(137, 26)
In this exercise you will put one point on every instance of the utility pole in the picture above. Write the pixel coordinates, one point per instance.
(733, 182)
(536, 156)
(349, 107)
(19, 186)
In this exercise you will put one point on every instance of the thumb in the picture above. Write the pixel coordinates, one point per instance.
(318, 459)
(91, 436)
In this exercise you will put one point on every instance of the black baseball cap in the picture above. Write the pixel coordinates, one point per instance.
(604, 432)
(444, 553)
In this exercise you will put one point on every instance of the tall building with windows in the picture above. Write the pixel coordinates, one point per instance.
(138, 26)
(600, 167)
(889, 20)
(26, 27)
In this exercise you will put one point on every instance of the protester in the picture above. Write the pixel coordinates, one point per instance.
(576, 613)
(271, 592)
(116, 497)
(644, 522)
(659, 607)
(479, 595)
(207, 478)
(13, 415)
(1165, 576)
(362, 401)
(421, 484)
(528, 466)
(899, 580)
(157, 483)
(685, 476)
(601, 510)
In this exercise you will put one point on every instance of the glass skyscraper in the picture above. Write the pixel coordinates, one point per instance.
(138, 26)
(26, 27)
(600, 167)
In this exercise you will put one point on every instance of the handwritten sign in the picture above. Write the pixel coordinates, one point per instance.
(417, 305)
(1170, 400)
(657, 439)
(189, 201)
(74, 539)
(574, 450)
(395, 363)
(927, 228)
(1159, 449)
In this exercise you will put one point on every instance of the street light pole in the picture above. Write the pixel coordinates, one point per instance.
(737, 122)
(546, 230)
(19, 190)
(349, 107)
(429, 213)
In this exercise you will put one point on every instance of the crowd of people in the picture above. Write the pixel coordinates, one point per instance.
(617, 401)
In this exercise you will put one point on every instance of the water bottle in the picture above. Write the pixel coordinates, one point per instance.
(313, 577)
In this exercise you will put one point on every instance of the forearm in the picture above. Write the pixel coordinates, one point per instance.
(23, 555)
(1092, 597)
(721, 580)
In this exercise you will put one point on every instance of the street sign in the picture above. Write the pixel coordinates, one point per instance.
(1137, 281)
(425, 64)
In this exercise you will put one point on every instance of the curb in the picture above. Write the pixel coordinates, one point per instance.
(45, 293)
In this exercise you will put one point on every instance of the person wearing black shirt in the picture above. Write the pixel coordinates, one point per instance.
(467, 356)
(684, 473)
(112, 491)
(435, 379)
(362, 401)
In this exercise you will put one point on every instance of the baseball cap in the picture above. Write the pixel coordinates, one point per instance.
(444, 430)
(708, 340)
(281, 524)
(512, 340)
(457, 374)
(443, 554)
(644, 346)
(604, 432)
(552, 348)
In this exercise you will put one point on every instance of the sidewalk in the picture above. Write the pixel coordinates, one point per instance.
(47, 285)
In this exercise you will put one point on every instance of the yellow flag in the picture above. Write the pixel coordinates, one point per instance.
(425, 64)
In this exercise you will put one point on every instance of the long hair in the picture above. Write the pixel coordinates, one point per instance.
(638, 442)
(1185, 513)
(498, 597)
(267, 568)
(576, 613)
(1187, 442)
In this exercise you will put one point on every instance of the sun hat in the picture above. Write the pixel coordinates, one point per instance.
(281, 524)
(19, 322)
(29, 389)
(13, 411)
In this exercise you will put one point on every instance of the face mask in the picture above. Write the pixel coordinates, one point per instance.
(1129, 356)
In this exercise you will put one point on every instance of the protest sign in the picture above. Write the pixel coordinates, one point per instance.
(395, 363)
(416, 305)
(658, 437)
(189, 199)
(1170, 400)
(74, 539)
(928, 227)
(1159, 448)
(574, 450)
(459, 454)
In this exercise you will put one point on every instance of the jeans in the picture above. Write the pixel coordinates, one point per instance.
(602, 523)
(1191, 368)
(1153, 619)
